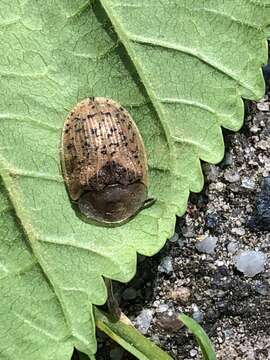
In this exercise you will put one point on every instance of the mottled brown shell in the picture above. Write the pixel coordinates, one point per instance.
(104, 160)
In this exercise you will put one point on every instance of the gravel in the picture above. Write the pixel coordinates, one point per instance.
(230, 299)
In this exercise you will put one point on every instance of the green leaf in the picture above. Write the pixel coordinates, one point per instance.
(201, 337)
(179, 67)
(125, 334)
(32, 325)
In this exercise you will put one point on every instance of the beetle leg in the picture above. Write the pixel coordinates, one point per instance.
(148, 202)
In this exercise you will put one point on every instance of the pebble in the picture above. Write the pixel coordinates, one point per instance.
(261, 217)
(238, 231)
(162, 308)
(143, 320)
(232, 247)
(212, 172)
(262, 289)
(169, 321)
(263, 144)
(248, 183)
(231, 176)
(174, 238)
(254, 129)
(193, 353)
(228, 159)
(207, 245)
(188, 231)
(198, 316)
(181, 242)
(166, 265)
(182, 294)
(228, 333)
(263, 106)
(117, 353)
(250, 263)
(218, 186)
(129, 294)
(212, 221)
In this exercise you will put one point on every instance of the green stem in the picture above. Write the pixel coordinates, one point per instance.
(125, 334)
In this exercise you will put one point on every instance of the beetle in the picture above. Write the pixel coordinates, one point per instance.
(104, 161)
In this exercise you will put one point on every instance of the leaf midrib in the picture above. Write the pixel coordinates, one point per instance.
(125, 40)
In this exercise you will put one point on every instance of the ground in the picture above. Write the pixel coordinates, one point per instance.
(232, 307)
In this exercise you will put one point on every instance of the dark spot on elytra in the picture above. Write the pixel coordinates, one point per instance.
(91, 115)
(106, 113)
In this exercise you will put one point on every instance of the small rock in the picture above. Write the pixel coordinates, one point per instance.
(143, 320)
(181, 242)
(188, 231)
(166, 265)
(212, 221)
(169, 321)
(212, 315)
(193, 353)
(263, 106)
(162, 308)
(232, 247)
(262, 289)
(228, 159)
(218, 186)
(198, 316)
(261, 217)
(207, 245)
(212, 172)
(238, 231)
(174, 238)
(263, 144)
(231, 176)
(228, 333)
(117, 353)
(250, 262)
(182, 294)
(129, 294)
(248, 183)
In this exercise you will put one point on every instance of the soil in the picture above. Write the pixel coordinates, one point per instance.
(233, 308)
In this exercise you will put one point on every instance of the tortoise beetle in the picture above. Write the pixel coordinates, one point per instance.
(104, 161)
